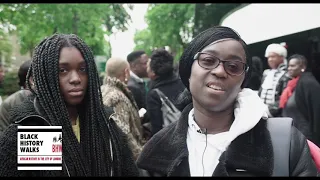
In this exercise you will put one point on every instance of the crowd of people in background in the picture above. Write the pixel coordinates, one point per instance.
(224, 100)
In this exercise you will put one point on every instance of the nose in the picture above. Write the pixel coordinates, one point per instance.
(219, 71)
(75, 78)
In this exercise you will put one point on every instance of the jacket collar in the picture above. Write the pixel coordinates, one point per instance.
(161, 81)
(135, 77)
(251, 151)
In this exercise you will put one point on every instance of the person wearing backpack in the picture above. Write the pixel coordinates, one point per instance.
(225, 131)
(161, 73)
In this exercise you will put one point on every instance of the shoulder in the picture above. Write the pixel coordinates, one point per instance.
(153, 96)
(111, 95)
(301, 162)
(160, 138)
(132, 82)
(285, 76)
(308, 85)
(307, 78)
(11, 100)
(265, 72)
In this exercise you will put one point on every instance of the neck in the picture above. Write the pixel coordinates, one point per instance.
(134, 72)
(214, 122)
(73, 114)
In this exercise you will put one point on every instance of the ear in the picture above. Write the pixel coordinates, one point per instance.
(127, 72)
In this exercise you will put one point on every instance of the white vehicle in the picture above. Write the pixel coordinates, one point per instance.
(262, 24)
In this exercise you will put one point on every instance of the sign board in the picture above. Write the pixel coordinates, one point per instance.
(39, 148)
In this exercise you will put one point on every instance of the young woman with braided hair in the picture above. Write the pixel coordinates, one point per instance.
(67, 93)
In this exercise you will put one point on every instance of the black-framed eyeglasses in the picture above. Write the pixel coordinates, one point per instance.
(209, 62)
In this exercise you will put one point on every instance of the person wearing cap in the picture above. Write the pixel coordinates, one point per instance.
(275, 79)
(223, 132)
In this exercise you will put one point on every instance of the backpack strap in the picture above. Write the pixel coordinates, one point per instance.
(164, 99)
(280, 132)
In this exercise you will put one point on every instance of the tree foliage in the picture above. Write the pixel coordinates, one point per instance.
(91, 22)
(143, 41)
(5, 46)
(210, 14)
(168, 25)
(174, 25)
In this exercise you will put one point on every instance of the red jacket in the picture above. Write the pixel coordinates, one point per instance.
(315, 153)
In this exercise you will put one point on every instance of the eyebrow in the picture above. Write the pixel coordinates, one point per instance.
(231, 56)
(67, 63)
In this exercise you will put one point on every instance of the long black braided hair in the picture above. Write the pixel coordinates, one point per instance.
(92, 157)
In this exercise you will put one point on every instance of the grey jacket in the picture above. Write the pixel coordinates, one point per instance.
(10, 102)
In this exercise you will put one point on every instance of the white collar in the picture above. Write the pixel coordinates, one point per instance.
(249, 109)
(133, 75)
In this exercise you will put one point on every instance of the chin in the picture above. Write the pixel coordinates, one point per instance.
(216, 104)
(74, 102)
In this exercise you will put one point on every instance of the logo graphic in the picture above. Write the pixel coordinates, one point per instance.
(39, 147)
(57, 140)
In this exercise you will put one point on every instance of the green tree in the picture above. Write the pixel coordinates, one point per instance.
(143, 41)
(210, 14)
(168, 25)
(89, 21)
(5, 47)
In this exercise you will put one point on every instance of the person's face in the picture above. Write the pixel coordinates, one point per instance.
(274, 60)
(73, 76)
(216, 90)
(140, 66)
(150, 73)
(295, 67)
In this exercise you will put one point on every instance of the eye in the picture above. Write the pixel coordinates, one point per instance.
(83, 69)
(62, 70)
(234, 67)
(209, 61)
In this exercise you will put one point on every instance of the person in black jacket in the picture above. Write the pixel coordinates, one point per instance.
(256, 76)
(224, 131)
(138, 70)
(67, 93)
(301, 99)
(160, 71)
(15, 98)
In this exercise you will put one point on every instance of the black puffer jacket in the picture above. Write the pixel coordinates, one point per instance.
(171, 86)
(166, 154)
(8, 145)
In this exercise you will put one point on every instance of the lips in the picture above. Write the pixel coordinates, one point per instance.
(76, 92)
(215, 86)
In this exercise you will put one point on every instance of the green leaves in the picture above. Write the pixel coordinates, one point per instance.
(89, 21)
(168, 25)
(175, 25)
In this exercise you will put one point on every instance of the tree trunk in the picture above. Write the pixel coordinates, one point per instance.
(75, 23)
(31, 52)
(55, 30)
(31, 49)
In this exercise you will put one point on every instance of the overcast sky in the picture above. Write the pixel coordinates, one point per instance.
(122, 43)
